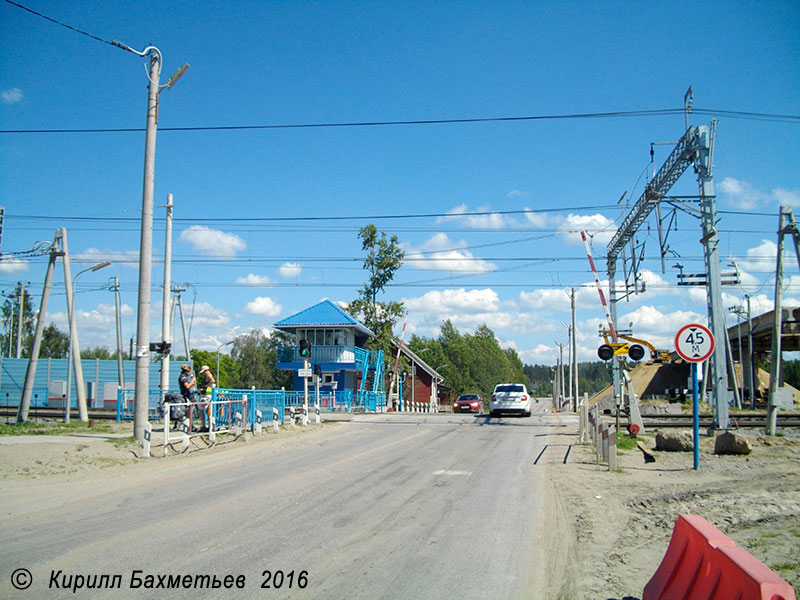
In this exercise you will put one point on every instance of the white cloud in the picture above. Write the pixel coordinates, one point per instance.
(11, 266)
(598, 227)
(461, 300)
(12, 96)
(657, 327)
(204, 315)
(263, 305)
(253, 279)
(487, 220)
(92, 256)
(212, 242)
(440, 253)
(536, 219)
(745, 196)
(762, 258)
(289, 270)
(517, 194)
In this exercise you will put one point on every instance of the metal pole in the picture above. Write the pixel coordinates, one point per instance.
(704, 163)
(142, 395)
(165, 322)
(695, 418)
(752, 361)
(305, 393)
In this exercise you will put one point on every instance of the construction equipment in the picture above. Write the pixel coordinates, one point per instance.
(656, 356)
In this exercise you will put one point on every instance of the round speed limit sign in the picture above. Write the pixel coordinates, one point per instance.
(694, 342)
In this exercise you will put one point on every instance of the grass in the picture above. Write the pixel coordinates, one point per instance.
(625, 442)
(53, 428)
(122, 442)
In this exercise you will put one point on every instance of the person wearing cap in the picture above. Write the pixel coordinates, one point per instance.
(207, 381)
(186, 382)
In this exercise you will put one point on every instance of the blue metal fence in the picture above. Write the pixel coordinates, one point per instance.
(265, 401)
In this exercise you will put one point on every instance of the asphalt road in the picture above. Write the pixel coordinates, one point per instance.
(382, 506)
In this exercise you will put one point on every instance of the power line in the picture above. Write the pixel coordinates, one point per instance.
(57, 22)
(735, 114)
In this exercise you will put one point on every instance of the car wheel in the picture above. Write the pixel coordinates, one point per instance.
(493, 414)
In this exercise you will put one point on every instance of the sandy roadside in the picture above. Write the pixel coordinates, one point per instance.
(620, 522)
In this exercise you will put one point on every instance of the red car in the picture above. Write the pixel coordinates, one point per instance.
(471, 403)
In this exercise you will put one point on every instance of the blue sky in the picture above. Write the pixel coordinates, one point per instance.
(536, 183)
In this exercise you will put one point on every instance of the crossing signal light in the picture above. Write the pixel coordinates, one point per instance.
(160, 347)
(607, 351)
(318, 370)
(305, 349)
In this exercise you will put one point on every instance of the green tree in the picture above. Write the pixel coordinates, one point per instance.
(255, 355)
(100, 352)
(384, 257)
(55, 343)
(10, 319)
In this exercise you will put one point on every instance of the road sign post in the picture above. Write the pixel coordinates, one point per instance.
(695, 343)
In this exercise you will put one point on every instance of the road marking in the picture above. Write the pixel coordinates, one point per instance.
(449, 472)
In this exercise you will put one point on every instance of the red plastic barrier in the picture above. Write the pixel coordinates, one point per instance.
(702, 563)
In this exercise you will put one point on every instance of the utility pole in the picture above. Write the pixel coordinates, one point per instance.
(19, 322)
(574, 351)
(30, 373)
(695, 148)
(178, 290)
(786, 225)
(166, 324)
(74, 344)
(142, 393)
(120, 370)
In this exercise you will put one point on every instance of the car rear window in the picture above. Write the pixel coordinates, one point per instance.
(509, 388)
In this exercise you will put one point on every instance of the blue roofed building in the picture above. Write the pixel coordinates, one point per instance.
(339, 346)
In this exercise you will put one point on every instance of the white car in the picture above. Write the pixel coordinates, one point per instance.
(510, 398)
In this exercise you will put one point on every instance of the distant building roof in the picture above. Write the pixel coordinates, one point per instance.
(322, 315)
(417, 360)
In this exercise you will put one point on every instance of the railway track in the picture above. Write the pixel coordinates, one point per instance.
(737, 421)
(36, 412)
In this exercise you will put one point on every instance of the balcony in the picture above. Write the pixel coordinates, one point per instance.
(338, 357)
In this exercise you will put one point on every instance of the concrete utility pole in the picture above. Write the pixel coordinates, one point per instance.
(574, 351)
(74, 344)
(166, 323)
(30, 373)
(752, 355)
(19, 323)
(142, 393)
(786, 225)
(120, 370)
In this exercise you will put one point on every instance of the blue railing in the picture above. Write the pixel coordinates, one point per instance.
(265, 401)
(126, 404)
(320, 354)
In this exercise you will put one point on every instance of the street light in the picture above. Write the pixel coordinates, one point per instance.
(142, 396)
(219, 376)
(73, 332)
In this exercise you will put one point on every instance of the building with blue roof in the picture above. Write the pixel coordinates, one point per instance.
(338, 346)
